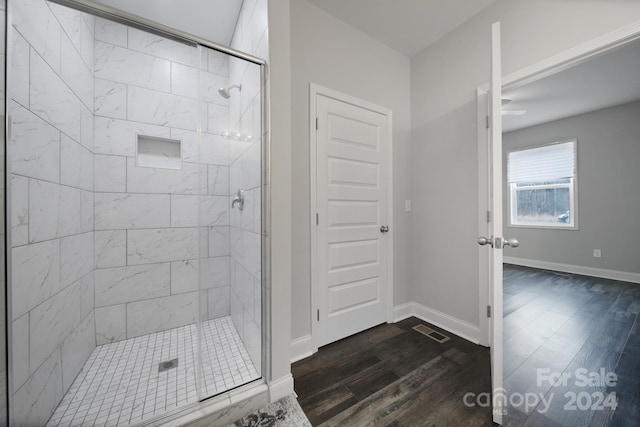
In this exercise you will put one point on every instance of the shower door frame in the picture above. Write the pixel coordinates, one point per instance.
(138, 22)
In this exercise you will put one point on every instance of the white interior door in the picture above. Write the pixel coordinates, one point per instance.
(494, 240)
(352, 234)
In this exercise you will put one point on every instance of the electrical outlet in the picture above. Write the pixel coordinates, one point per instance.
(597, 253)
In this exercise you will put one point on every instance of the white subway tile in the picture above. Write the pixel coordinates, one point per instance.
(156, 180)
(111, 324)
(76, 349)
(76, 258)
(215, 149)
(52, 100)
(74, 25)
(110, 99)
(115, 211)
(159, 108)
(35, 21)
(126, 284)
(259, 23)
(218, 241)
(110, 173)
(184, 211)
(36, 400)
(19, 87)
(19, 210)
(86, 128)
(54, 211)
(87, 302)
(162, 47)
(75, 73)
(184, 80)
(111, 248)
(215, 272)
(35, 146)
(35, 273)
(127, 66)
(20, 344)
(162, 245)
(86, 211)
(210, 83)
(184, 276)
(110, 32)
(218, 181)
(51, 322)
(218, 302)
(217, 62)
(214, 210)
(218, 119)
(118, 137)
(189, 141)
(76, 164)
(160, 314)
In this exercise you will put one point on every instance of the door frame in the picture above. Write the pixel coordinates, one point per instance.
(549, 66)
(316, 90)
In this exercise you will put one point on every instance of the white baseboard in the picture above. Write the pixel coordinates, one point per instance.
(301, 348)
(449, 323)
(576, 269)
(280, 388)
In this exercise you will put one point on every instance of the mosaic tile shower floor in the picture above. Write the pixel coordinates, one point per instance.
(120, 383)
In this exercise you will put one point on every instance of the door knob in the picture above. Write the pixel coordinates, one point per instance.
(384, 229)
(511, 242)
(483, 241)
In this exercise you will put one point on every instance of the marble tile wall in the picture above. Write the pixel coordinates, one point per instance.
(51, 110)
(250, 36)
(153, 224)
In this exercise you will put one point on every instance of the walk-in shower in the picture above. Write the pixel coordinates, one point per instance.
(135, 282)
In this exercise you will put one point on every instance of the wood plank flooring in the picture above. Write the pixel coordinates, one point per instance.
(565, 322)
(393, 376)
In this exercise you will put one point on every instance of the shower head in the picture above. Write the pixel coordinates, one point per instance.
(224, 91)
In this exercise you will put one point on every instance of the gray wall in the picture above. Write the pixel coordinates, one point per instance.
(444, 77)
(327, 52)
(608, 192)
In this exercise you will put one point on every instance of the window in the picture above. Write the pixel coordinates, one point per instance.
(542, 186)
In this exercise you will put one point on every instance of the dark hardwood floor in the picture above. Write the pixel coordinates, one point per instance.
(393, 376)
(565, 322)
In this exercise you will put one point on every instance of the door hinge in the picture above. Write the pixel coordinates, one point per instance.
(488, 216)
(488, 311)
(318, 314)
(316, 123)
(317, 219)
(487, 122)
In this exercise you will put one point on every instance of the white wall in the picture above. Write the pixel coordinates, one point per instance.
(608, 195)
(326, 51)
(444, 263)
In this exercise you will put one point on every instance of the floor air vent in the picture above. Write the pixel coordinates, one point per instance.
(169, 364)
(436, 336)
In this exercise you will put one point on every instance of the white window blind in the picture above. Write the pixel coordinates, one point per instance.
(542, 164)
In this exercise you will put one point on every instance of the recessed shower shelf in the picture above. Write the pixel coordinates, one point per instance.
(156, 152)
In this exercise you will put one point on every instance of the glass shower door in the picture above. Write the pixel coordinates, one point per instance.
(230, 222)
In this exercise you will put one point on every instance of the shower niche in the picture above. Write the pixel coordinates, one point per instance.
(155, 152)
(136, 288)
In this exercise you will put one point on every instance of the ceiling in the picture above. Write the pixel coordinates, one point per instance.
(408, 26)
(214, 20)
(604, 81)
